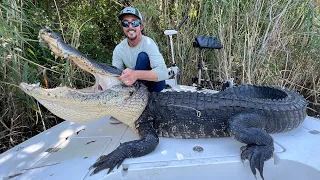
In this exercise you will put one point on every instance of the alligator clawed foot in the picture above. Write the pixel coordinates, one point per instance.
(110, 161)
(257, 155)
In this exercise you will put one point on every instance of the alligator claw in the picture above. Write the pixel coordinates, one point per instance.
(110, 161)
(256, 155)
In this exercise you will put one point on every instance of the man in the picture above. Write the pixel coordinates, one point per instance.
(139, 54)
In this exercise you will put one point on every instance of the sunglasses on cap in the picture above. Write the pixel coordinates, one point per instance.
(134, 23)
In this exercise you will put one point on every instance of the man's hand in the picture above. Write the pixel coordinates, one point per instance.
(128, 76)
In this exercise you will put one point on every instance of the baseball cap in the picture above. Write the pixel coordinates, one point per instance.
(132, 11)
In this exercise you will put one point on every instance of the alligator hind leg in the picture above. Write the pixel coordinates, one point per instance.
(248, 128)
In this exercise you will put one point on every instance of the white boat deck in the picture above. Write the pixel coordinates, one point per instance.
(67, 150)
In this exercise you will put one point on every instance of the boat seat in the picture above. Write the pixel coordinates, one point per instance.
(207, 42)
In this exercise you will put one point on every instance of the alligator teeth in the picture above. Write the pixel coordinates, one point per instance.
(56, 57)
(35, 86)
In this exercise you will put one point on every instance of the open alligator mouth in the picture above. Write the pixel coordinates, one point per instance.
(108, 90)
(105, 75)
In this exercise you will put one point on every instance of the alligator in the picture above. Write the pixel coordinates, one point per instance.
(248, 113)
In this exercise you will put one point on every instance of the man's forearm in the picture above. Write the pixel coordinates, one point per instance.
(149, 75)
(129, 76)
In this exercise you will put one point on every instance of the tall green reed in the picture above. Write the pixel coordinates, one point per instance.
(264, 42)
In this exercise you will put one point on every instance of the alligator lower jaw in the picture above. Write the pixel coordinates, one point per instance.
(36, 91)
(79, 105)
(64, 93)
(60, 103)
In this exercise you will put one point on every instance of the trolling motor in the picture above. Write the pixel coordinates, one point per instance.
(174, 71)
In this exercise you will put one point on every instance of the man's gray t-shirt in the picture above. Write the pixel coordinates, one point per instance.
(126, 56)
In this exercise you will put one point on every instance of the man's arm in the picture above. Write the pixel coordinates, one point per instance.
(129, 76)
(156, 60)
(149, 75)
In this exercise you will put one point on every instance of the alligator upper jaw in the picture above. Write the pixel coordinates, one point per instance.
(60, 49)
(105, 75)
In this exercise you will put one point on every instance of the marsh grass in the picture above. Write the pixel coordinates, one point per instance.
(20, 116)
(265, 42)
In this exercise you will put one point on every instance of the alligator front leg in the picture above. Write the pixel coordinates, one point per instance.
(248, 128)
(148, 142)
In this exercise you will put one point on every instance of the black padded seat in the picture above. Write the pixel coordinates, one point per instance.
(208, 42)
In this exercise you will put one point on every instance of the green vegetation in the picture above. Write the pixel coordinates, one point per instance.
(265, 42)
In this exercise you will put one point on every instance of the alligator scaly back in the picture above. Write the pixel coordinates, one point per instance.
(199, 115)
